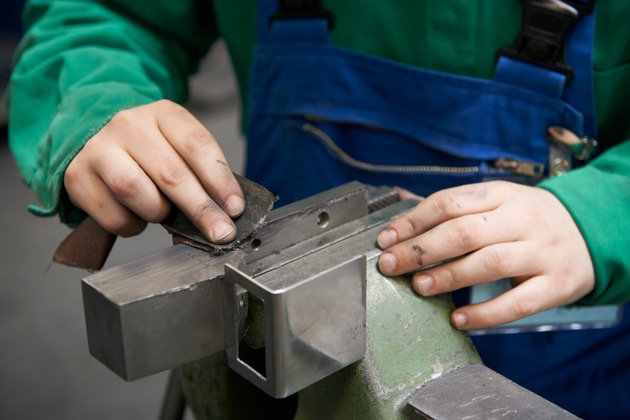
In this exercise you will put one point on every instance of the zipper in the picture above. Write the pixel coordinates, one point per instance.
(515, 166)
(384, 168)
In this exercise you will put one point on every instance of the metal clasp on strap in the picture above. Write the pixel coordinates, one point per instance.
(302, 9)
(542, 39)
(584, 7)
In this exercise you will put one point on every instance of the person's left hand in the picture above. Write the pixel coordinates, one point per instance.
(490, 231)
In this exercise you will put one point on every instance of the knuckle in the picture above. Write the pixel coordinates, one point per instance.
(127, 186)
(73, 173)
(166, 103)
(123, 224)
(125, 118)
(172, 173)
(130, 116)
(497, 262)
(445, 203)
(115, 224)
(565, 287)
(502, 185)
(447, 280)
(484, 315)
(159, 213)
(463, 233)
(523, 306)
(405, 226)
(165, 106)
(198, 141)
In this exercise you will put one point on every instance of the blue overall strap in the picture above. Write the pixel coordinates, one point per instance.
(581, 93)
(529, 76)
(577, 89)
(293, 29)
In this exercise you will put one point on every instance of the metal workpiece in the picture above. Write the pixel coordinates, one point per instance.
(301, 221)
(157, 312)
(314, 325)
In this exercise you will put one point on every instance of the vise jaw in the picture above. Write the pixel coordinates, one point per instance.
(299, 285)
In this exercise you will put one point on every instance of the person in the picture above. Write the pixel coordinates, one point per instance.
(408, 94)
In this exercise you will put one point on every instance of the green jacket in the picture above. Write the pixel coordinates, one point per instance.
(82, 61)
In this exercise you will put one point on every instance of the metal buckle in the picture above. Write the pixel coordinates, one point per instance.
(302, 9)
(542, 39)
(584, 7)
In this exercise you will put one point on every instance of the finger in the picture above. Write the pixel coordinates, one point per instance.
(442, 206)
(88, 192)
(450, 239)
(172, 175)
(404, 194)
(494, 262)
(204, 156)
(131, 186)
(563, 135)
(532, 296)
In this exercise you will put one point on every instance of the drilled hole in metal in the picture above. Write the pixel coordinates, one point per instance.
(322, 219)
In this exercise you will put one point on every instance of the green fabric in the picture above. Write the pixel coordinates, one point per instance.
(598, 197)
(79, 64)
(82, 61)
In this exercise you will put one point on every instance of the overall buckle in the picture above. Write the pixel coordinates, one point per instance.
(544, 32)
(302, 9)
(584, 7)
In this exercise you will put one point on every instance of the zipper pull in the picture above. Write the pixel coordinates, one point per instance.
(519, 167)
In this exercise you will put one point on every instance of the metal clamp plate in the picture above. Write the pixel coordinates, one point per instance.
(314, 325)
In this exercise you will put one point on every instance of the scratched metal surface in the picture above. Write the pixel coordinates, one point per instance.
(477, 392)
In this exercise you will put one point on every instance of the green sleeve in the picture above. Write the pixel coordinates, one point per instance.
(79, 63)
(598, 197)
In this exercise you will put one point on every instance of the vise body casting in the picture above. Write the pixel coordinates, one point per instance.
(304, 272)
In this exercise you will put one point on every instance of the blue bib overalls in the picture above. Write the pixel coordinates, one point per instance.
(321, 116)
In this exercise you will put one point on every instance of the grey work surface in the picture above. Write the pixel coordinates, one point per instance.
(45, 368)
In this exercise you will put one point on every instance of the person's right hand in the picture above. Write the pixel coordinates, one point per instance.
(147, 159)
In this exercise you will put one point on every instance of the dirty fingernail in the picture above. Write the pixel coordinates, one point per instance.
(221, 230)
(423, 284)
(388, 263)
(234, 205)
(387, 238)
(460, 320)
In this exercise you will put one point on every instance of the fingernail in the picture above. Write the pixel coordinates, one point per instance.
(423, 284)
(387, 238)
(387, 262)
(234, 205)
(460, 320)
(221, 230)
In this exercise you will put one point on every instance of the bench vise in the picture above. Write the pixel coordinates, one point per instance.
(298, 288)
(306, 292)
